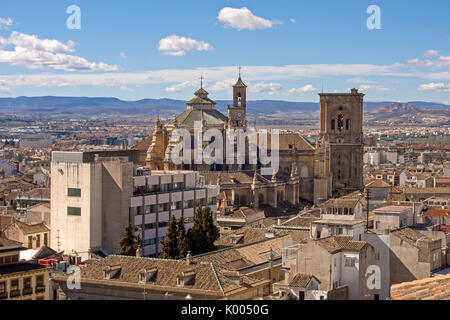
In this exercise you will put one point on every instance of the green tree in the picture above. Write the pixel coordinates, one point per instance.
(128, 242)
(183, 242)
(204, 233)
(170, 245)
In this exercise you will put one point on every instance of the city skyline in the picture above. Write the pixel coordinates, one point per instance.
(161, 53)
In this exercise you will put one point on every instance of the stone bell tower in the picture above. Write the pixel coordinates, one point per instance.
(237, 117)
(341, 132)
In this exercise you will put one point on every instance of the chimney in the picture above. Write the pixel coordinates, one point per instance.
(138, 251)
(188, 258)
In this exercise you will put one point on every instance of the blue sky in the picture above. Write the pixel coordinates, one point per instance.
(288, 49)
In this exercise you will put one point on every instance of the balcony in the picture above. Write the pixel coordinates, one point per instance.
(3, 295)
(14, 293)
(27, 291)
(40, 288)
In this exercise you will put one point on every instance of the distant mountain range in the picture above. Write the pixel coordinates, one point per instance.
(409, 113)
(98, 106)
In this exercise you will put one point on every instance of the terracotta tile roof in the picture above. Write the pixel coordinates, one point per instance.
(341, 243)
(243, 257)
(208, 277)
(243, 212)
(299, 221)
(435, 288)
(5, 242)
(437, 212)
(243, 236)
(263, 223)
(302, 280)
(32, 228)
(440, 190)
(347, 203)
(378, 183)
(411, 236)
(5, 221)
(37, 193)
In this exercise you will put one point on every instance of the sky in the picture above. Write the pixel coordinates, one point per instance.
(287, 50)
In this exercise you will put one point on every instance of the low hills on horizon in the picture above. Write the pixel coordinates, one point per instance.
(56, 105)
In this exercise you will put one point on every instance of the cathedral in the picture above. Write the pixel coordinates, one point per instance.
(312, 172)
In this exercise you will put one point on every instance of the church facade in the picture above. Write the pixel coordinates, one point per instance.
(329, 167)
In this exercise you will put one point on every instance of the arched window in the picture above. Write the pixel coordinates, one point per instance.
(332, 124)
(239, 99)
(340, 122)
(347, 124)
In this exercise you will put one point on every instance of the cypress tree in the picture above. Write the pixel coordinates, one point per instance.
(170, 245)
(204, 233)
(127, 243)
(183, 243)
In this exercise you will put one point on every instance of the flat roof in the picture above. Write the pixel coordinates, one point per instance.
(391, 209)
(19, 267)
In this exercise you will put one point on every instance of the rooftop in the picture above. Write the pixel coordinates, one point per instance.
(335, 244)
(435, 288)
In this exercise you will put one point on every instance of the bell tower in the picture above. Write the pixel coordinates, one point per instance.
(237, 117)
(341, 132)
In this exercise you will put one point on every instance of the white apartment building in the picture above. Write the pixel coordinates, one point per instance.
(94, 195)
(340, 217)
(162, 194)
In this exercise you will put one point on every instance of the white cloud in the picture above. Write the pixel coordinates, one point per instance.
(125, 88)
(32, 52)
(306, 88)
(442, 61)
(178, 87)
(177, 46)
(431, 53)
(365, 87)
(5, 23)
(435, 87)
(270, 88)
(215, 74)
(32, 42)
(123, 55)
(243, 18)
(4, 87)
(292, 20)
(224, 85)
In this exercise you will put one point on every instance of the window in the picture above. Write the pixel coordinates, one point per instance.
(150, 226)
(377, 256)
(73, 211)
(332, 124)
(350, 262)
(27, 283)
(14, 285)
(347, 124)
(340, 123)
(435, 256)
(30, 242)
(40, 281)
(163, 224)
(2, 287)
(212, 201)
(45, 239)
(74, 192)
(38, 241)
